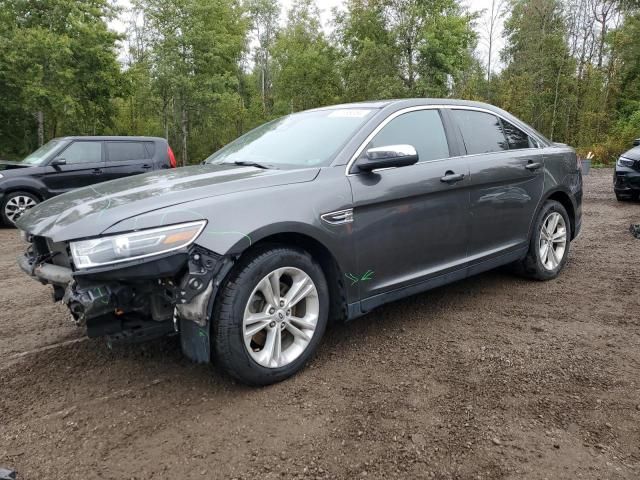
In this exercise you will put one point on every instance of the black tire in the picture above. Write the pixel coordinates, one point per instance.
(531, 266)
(3, 207)
(228, 344)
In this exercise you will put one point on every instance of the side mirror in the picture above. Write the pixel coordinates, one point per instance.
(56, 162)
(391, 156)
(636, 142)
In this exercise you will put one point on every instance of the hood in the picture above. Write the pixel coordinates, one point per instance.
(16, 168)
(633, 154)
(90, 211)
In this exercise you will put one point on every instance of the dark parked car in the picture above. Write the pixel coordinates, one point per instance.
(626, 178)
(72, 162)
(321, 215)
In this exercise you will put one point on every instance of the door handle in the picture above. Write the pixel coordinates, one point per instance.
(97, 171)
(146, 166)
(451, 177)
(533, 166)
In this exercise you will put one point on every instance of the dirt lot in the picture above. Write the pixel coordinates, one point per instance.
(493, 377)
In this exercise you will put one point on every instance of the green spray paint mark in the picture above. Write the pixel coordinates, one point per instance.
(368, 275)
(352, 277)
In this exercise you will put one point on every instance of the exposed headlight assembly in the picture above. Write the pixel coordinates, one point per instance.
(134, 245)
(625, 162)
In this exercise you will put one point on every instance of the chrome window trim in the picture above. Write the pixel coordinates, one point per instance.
(416, 108)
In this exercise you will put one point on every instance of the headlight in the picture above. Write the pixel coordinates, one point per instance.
(134, 245)
(1, 175)
(625, 162)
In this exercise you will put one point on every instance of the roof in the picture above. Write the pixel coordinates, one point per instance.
(408, 102)
(110, 137)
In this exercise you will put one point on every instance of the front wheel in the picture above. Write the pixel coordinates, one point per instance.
(271, 316)
(550, 241)
(14, 206)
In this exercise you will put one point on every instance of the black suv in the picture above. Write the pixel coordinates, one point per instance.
(72, 162)
(626, 178)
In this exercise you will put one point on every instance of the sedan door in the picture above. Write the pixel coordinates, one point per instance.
(128, 157)
(507, 179)
(80, 164)
(410, 223)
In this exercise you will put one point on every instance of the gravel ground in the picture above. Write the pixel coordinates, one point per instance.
(490, 378)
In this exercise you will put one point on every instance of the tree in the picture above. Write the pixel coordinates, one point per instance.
(536, 83)
(369, 64)
(196, 46)
(305, 74)
(59, 67)
(264, 15)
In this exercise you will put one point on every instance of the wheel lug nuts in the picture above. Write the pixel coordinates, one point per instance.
(272, 324)
(272, 311)
(282, 303)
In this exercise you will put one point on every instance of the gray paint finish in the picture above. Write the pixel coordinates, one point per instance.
(410, 230)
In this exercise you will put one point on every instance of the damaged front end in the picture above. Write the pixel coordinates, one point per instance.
(138, 300)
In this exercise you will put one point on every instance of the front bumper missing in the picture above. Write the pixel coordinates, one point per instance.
(45, 272)
(142, 300)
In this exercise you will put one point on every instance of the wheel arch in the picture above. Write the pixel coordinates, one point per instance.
(309, 239)
(564, 198)
(320, 253)
(25, 188)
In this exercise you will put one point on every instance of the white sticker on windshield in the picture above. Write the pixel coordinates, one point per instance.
(349, 113)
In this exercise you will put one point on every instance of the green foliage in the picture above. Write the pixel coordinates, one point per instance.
(202, 72)
(59, 65)
(304, 62)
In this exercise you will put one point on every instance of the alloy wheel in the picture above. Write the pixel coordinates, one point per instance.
(280, 317)
(553, 241)
(17, 205)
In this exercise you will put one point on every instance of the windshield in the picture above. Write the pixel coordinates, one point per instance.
(37, 157)
(306, 139)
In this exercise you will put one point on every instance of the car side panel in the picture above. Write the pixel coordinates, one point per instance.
(63, 178)
(504, 198)
(32, 183)
(562, 174)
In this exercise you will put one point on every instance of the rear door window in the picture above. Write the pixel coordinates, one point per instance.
(82, 152)
(481, 132)
(126, 151)
(421, 129)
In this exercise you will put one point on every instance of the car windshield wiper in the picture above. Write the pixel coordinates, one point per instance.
(247, 163)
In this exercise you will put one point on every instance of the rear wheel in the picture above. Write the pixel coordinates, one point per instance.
(549, 245)
(15, 204)
(271, 316)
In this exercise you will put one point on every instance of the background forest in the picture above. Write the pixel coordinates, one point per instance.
(202, 72)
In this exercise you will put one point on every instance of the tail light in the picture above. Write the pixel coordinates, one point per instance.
(172, 158)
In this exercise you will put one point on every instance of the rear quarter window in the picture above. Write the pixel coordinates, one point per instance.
(516, 138)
